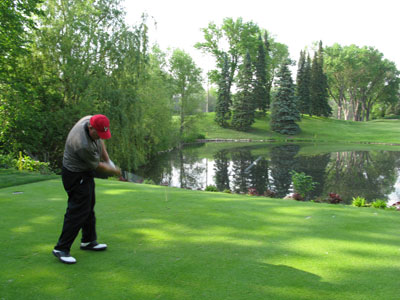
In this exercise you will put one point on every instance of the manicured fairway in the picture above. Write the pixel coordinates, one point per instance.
(167, 243)
(316, 129)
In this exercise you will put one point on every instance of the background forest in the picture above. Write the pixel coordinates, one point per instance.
(61, 60)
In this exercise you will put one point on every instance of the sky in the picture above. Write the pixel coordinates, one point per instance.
(296, 23)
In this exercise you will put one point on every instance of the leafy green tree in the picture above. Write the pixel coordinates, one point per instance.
(232, 39)
(260, 84)
(222, 110)
(360, 78)
(186, 78)
(319, 86)
(243, 106)
(16, 24)
(284, 112)
(85, 60)
(303, 83)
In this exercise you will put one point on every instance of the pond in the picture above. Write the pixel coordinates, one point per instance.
(265, 168)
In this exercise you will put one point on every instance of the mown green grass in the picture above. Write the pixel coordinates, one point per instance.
(317, 129)
(167, 243)
(12, 177)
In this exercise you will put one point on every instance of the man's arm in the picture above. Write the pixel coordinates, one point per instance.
(104, 153)
(106, 166)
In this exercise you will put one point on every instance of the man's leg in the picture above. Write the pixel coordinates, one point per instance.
(79, 189)
(89, 226)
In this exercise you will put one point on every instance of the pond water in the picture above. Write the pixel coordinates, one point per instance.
(266, 168)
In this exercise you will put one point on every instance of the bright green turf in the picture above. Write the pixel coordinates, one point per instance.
(12, 177)
(167, 243)
(316, 129)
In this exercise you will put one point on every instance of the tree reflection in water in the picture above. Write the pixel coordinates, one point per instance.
(369, 174)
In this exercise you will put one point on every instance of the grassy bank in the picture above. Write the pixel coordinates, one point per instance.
(316, 129)
(12, 177)
(167, 243)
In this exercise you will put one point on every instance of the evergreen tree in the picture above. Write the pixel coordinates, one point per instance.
(284, 112)
(260, 84)
(268, 63)
(243, 106)
(222, 110)
(319, 86)
(303, 84)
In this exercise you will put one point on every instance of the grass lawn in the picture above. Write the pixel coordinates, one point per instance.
(167, 243)
(12, 177)
(316, 129)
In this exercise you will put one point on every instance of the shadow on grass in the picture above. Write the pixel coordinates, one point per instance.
(167, 243)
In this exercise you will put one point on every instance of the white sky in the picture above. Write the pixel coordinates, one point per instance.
(296, 23)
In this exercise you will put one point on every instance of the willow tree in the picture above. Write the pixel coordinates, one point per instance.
(85, 60)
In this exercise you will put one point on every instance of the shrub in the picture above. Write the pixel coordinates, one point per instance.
(7, 161)
(379, 204)
(297, 196)
(149, 181)
(28, 164)
(227, 191)
(302, 183)
(334, 198)
(359, 202)
(211, 188)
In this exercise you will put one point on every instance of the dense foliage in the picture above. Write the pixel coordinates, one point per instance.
(61, 60)
(284, 112)
(359, 79)
(243, 105)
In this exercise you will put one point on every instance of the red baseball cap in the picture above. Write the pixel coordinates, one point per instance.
(102, 125)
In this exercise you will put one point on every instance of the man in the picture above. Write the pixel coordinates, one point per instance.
(85, 153)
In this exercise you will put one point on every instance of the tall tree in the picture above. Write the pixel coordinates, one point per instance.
(85, 60)
(319, 86)
(303, 83)
(222, 110)
(284, 112)
(16, 22)
(187, 84)
(269, 62)
(243, 106)
(260, 84)
(360, 78)
(233, 38)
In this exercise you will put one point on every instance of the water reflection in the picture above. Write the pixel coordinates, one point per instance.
(266, 171)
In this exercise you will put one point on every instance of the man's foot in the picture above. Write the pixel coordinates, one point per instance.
(64, 257)
(94, 246)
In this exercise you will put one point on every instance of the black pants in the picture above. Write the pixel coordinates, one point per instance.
(80, 211)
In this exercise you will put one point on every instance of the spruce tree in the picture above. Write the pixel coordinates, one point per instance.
(243, 106)
(268, 85)
(222, 108)
(260, 84)
(319, 86)
(284, 112)
(303, 84)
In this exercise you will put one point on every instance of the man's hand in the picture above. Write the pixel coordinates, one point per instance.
(107, 168)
